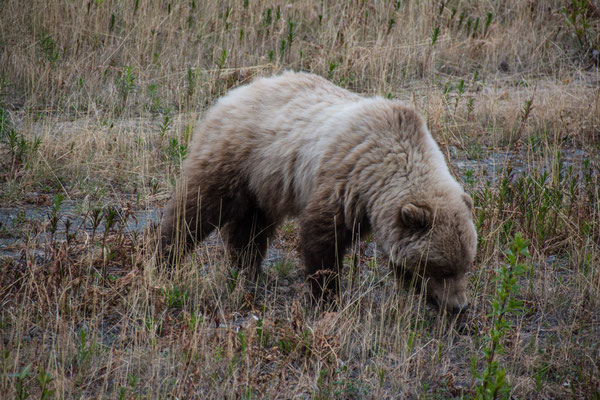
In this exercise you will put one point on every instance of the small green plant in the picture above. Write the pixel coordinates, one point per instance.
(470, 107)
(20, 149)
(155, 106)
(282, 47)
(48, 46)
(126, 84)
(268, 17)
(285, 345)
(243, 342)
(165, 124)
(291, 33)
(85, 350)
(54, 215)
(175, 297)
(488, 21)
(581, 27)
(111, 24)
(110, 219)
(284, 268)
(133, 380)
(226, 18)
(44, 380)
(22, 392)
(232, 279)
(222, 60)
(493, 383)
(153, 325)
(95, 218)
(263, 336)
(524, 115)
(391, 24)
(460, 90)
(191, 80)
(177, 151)
(194, 321)
(332, 67)
(469, 177)
(434, 35)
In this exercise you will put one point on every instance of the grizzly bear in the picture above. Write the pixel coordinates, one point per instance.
(297, 145)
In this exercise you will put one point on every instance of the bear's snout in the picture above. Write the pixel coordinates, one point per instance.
(459, 309)
(449, 294)
(461, 305)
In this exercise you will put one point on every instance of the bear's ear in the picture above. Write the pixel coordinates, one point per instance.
(468, 201)
(415, 217)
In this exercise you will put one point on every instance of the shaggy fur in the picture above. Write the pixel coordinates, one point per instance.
(296, 145)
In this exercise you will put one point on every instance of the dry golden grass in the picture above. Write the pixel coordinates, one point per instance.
(111, 90)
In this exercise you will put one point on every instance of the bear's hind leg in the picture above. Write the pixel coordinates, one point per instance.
(193, 213)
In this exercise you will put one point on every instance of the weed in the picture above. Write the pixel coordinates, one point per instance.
(48, 46)
(504, 304)
(291, 33)
(126, 84)
(21, 387)
(54, 216)
(488, 21)
(391, 23)
(584, 30)
(21, 150)
(268, 18)
(44, 380)
(434, 35)
(177, 151)
(175, 297)
(165, 124)
(155, 105)
(222, 60)
(284, 268)
(332, 67)
(284, 345)
(194, 321)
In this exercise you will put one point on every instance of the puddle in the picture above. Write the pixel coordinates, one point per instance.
(21, 224)
(491, 166)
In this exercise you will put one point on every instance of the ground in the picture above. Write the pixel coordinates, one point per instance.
(97, 106)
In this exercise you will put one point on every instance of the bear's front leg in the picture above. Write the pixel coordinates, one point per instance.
(323, 241)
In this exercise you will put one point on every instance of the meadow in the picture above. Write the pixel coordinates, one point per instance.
(98, 103)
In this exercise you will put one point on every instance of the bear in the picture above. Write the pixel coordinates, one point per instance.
(296, 145)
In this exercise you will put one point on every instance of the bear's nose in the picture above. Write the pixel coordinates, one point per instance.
(459, 309)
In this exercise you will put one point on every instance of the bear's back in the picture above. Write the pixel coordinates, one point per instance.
(276, 131)
(280, 134)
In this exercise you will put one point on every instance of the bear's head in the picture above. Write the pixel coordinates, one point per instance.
(434, 241)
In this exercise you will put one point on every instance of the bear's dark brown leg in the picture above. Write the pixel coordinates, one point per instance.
(191, 216)
(323, 241)
(247, 236)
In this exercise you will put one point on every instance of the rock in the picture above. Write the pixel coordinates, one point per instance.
(453, 151)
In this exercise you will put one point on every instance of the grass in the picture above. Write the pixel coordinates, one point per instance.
(97, 106)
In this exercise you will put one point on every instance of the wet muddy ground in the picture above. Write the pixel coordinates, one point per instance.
(32, 223)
